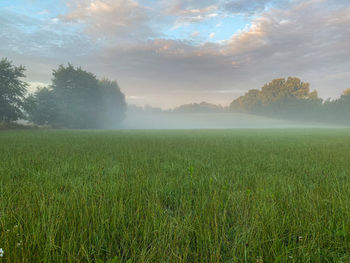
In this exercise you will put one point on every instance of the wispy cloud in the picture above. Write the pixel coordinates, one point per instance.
(114, 20)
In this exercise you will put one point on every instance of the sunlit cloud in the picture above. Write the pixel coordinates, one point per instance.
(135, 43)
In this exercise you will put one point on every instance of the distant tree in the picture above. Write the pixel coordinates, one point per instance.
(275, 96)
(78, 97)
(152, 110)
(113, 104)
(282, 88)
(272, 91)
(42, 108)
(284, 98)
(314, 95)
(249, 102)
(346, 92)
(12, 91)
(147, 109)
(203, 107)
(341, 108)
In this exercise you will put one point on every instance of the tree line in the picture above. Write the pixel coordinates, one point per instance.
(291, 98)
(203, 107)
(75, 99)
(191, 108)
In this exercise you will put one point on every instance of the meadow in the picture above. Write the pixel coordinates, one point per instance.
(253, 195)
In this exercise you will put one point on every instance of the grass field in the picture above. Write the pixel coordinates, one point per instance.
(175, 196)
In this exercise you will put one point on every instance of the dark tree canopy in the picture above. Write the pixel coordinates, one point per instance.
(77, 99)
(43, 107)
(12, 91)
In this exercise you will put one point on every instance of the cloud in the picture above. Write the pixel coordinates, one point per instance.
(123, 40)
(193, 15)
(308, 39)
(249, 7)
(294, 42)
(30, 36)
(114, 20)
(195, 34)
(194, 11)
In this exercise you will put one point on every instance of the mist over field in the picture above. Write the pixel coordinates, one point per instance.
(102, 64)
(180, 131)
(212, 121)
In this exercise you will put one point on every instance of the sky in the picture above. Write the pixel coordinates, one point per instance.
(166, 53)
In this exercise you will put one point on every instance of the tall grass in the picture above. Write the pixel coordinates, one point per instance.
(175, 196)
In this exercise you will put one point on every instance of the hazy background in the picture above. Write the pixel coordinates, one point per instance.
(212, 121)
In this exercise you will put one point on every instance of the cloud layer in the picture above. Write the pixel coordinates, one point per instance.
(126, 40)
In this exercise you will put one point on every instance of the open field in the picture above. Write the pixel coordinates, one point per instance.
(175, 196)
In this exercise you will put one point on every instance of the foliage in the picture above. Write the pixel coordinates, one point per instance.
(291, 99)
(12, 91)
(77, 99)
(346, 92)
(250, 101)
(77, 96)
(291, 89)
(43, 109)
(278, 89)
(114, 105)
(175, 196)
(203, 107)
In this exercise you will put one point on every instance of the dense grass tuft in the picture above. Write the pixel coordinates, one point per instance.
(175, 196)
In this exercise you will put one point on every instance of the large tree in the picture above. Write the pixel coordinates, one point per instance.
(274, 95)
(346, 92)
(77, 99)
(12, 91)
(113, 104)
(249, 102)
(42, 107)
(291, 88)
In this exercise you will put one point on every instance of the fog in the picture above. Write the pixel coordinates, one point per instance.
(170, 120)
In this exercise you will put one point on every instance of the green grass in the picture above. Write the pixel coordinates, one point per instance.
(175, 196)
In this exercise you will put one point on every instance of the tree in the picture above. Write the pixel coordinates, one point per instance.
(272, 91)
(292, 88)
(338, 110)
(78, 97)
(314, 95)
(283, 98)
(346, 92)
(295, 88)
(274, 95)
(113, 104)
(203, 107)
(249, 102)
(42, 108)
(12, 91)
